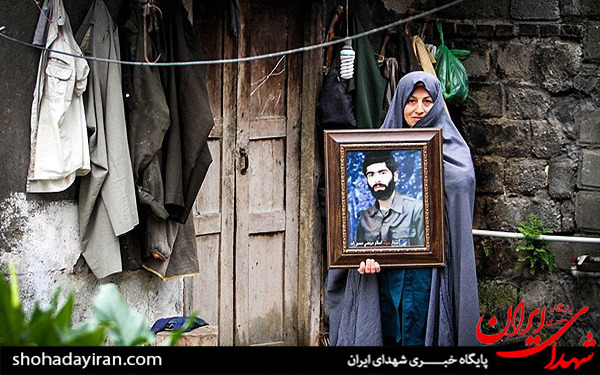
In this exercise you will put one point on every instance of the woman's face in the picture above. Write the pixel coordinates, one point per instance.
(417, 106)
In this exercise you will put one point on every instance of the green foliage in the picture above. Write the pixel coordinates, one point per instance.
(175, 335)
(486, 328)
(126, 327)
(533, 251)
(45, 327)
(53, 326)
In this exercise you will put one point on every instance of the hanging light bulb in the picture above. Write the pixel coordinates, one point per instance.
(347, 55)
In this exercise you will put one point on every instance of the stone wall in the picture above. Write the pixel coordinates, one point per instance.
(532, 121)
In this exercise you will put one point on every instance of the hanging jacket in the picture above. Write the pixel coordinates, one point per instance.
(147, 115)
(185, 148)
(59, 145)
(187, 156)
(107, 203)
(169, 120)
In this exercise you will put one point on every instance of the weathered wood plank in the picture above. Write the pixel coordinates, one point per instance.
(209, 195)
(228, 159)
(242, 185)
(267, 222)
(217, 130)
(216, 211)
(292, 188)
(310, 289)
(265, 286)
(268, 76)
(206, 294)
(266, 128)
(208, 224)
(267, 175)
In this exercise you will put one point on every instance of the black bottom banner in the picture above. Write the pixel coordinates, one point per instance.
(298, 360)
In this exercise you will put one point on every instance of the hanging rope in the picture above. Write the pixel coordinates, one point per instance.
(249, 58)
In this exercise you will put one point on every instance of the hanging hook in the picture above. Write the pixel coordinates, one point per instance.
(426, 21)
(148, 7)
(386, 39)
(331, 35)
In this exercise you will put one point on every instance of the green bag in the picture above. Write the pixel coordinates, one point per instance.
(451, 72)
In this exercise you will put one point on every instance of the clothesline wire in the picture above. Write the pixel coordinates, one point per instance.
(242, 59)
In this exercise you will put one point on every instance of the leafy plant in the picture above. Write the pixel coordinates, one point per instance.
(45, 327)
(176, 334)
(125, 326)
(533, 251)
(53, 326)
(486, 328)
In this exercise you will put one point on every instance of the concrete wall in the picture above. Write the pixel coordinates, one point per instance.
(39, 233)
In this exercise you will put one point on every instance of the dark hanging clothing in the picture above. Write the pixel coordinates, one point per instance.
(334, 111)
(400, 59)
(147, 111)
(187, 156)
(334, 107)
(368, 84)
(234, 17)
(147, 123)
(400, 47)
(169, 119)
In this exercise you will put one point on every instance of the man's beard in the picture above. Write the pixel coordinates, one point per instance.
(385, 193)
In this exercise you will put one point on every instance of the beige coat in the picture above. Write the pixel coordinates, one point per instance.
(59, 144)
(107, 203)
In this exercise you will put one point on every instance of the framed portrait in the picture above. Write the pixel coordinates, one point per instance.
(385, 197)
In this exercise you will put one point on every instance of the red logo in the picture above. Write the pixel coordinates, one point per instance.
(518, 324)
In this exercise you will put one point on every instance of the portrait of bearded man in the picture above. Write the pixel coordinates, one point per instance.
(394, 219)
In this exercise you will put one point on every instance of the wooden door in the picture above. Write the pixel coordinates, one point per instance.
(247, 226)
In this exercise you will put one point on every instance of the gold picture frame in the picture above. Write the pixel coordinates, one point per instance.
(384, 197)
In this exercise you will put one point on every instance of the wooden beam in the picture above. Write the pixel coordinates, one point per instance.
(310, 277)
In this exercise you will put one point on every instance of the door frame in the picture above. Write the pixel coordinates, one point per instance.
(308, 313)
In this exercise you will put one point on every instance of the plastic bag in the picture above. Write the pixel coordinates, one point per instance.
(451, 72)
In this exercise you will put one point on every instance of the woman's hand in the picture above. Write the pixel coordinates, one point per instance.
(369, 266)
